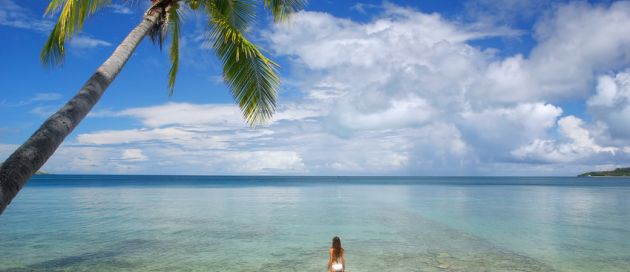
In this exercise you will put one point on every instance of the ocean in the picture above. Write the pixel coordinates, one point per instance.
(253, 223)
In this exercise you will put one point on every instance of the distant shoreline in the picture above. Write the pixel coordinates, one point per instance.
(603, 176)
(619, 172)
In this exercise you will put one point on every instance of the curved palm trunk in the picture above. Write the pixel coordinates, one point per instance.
(32, 155)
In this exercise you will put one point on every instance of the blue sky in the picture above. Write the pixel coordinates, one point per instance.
(368, 88)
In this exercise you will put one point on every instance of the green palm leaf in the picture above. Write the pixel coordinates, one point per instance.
(194, 4)
(281, 9)
(250, 75)
(174, 24)
(238, 13)
(71, 19)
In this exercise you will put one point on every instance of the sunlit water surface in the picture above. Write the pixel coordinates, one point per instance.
(168, 223)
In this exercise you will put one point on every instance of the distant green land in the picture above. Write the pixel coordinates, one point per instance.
(619, 172)
(41, 172)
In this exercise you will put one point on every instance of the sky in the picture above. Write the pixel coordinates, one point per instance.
(429, 88)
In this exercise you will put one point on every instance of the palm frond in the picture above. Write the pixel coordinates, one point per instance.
(238, 13)
(194, 4)
(159, 31)
(281, 9)
(70, 22)
(174, 24)
(249, 74)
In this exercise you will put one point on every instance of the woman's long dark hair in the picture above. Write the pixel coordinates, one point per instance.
(337, 249)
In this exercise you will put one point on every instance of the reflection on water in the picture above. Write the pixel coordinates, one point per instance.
(385, 225)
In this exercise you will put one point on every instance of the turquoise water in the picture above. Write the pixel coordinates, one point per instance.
(167, 223)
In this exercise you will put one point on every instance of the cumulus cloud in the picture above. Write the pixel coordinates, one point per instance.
(577, 143)
(494, 130)
(575, 43)
(420, 70)
(611, 103)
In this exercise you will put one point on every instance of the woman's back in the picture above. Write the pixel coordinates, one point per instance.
(336, 259)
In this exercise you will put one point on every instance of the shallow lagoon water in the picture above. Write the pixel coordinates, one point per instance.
(192, 223)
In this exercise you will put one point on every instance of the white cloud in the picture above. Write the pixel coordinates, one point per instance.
(611, 103)
(133, 155)
(400, 113)
(323, 41)
(133, 136)
(73, 159)
(223, 116)
(226, 162)
(394, 71)
(171, 160)
(82, 41)
(120, 9)
(13, 15)
(191, 137)
(572, 128)
(578, 143)
(295, 112)
(217, 116)
(575, 43)
(579, 41)
(502, 128)
(506, 81)
(262, 161)
(361, 72)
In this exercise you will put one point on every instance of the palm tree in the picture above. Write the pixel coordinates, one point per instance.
(251, 77)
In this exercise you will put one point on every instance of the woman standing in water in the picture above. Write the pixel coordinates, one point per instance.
(336, 259)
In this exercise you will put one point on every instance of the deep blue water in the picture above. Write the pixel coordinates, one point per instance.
(228, 223)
